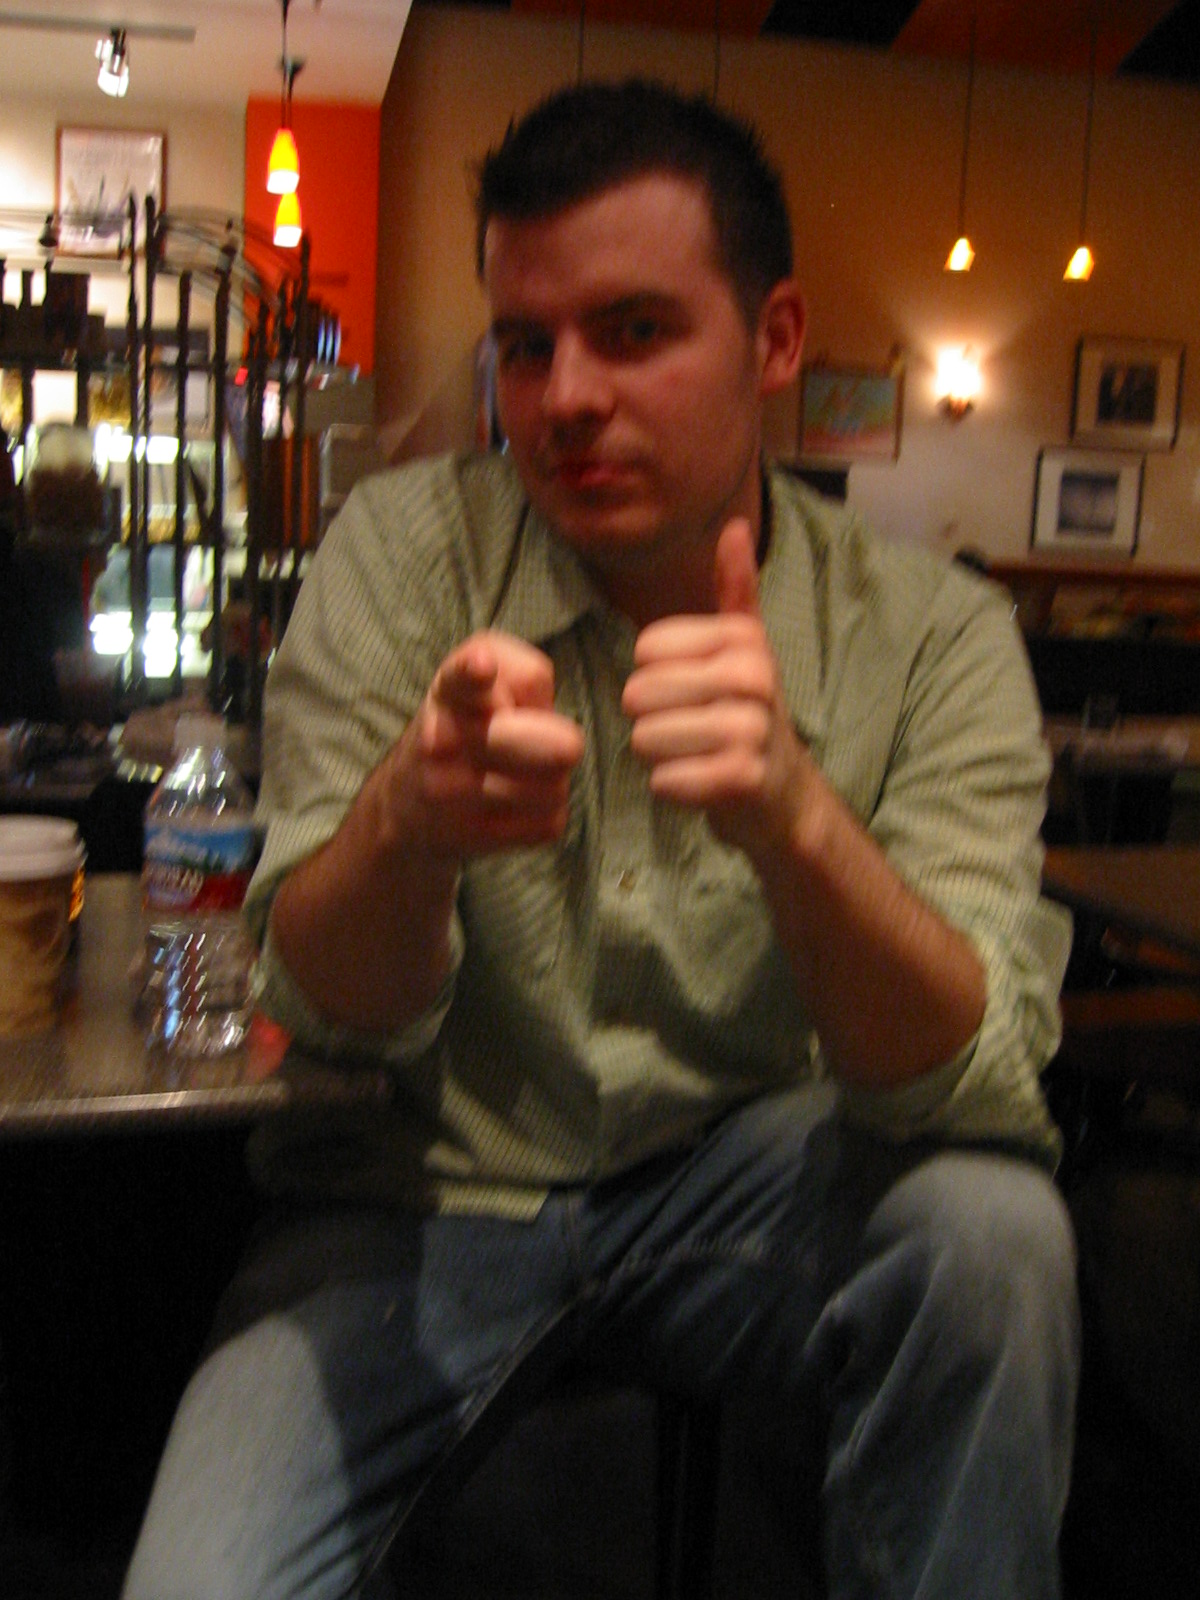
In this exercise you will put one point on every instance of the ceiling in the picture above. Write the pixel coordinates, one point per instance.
(348, 46)
(1160, 38)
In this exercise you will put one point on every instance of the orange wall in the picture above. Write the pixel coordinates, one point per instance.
(339, 204)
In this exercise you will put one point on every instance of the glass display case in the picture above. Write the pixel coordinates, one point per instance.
(202, 478)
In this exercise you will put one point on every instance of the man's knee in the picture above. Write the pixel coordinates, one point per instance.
(995, 1251)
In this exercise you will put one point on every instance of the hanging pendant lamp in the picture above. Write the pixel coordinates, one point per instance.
(961, 254)
(288, 226)
(283, 164)
(1079, 267)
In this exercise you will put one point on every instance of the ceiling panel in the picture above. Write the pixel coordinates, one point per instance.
(1160, 38)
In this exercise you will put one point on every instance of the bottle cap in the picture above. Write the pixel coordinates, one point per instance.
(199, 731)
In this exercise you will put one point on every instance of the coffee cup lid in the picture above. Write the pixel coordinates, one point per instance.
(38, 847)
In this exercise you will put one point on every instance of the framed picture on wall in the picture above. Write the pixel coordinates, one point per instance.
(850, 413)
(1087, 502)
(1127, 393)
(98, 170)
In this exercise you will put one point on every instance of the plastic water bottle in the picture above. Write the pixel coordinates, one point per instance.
(201, 846)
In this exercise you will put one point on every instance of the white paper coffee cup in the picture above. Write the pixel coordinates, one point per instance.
(41, 873)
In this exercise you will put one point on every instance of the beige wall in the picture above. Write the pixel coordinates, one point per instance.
(870, 150)
(204, 167)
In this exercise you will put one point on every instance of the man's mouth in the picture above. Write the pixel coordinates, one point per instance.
(590, 474)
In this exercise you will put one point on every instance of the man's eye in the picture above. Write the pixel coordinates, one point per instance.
(524, 350)
(632, 336)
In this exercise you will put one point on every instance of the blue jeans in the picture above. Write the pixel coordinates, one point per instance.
(922, 1300)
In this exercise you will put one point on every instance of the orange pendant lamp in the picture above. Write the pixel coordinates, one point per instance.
(961, 251)
(283, 164)
(288, 226)
(1079, 267)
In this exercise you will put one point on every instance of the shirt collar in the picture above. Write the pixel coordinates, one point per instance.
(787, 592)
(549, 590)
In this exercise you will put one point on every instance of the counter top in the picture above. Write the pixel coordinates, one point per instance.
(1133, 742)
(92, 1071)
(1153, 890)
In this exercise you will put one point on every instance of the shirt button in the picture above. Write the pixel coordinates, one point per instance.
(628, 880)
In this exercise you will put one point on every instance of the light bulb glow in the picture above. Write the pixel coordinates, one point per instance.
(288, 227)
(1079, 268)
(958, 381)
(283, 164)
(961, 255)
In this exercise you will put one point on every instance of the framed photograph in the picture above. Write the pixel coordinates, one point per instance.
(1087, 502)
(850, 413)
(1127, 393)
(98, 169)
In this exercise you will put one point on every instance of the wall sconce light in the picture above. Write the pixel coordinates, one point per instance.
(1079, 267)
(113, 55)
(958, 382)
(961, 254)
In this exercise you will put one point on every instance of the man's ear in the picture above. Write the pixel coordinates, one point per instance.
(780, 336)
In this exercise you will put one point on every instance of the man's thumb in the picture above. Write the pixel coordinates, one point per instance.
(737, 569)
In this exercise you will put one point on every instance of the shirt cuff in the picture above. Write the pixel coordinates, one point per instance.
(907, 1110)
(278, 994)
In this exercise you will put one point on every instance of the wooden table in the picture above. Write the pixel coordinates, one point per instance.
(1134, 744)
(1152, 890)
(92, 1071)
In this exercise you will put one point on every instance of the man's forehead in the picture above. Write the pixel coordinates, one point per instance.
(659, 193)
(634, 236)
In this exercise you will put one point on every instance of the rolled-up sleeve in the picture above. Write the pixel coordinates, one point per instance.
(363, 644)
(959, 817)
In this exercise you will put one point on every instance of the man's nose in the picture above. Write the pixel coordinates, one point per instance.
(577, 384)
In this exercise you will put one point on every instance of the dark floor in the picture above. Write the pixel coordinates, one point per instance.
(110, 1257)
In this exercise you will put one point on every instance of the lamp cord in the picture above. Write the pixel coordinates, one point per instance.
(962, 185)
(285, 87)
(716, 50)
(1087, 127)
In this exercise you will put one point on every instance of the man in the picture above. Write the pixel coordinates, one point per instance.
(675, 844)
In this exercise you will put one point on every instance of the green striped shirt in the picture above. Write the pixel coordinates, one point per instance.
(613, 993)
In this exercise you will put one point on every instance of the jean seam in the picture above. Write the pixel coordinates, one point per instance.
(477, 1408)
(744, 1252)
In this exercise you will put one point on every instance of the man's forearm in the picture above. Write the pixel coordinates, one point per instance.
(363, 926)
(893, 990)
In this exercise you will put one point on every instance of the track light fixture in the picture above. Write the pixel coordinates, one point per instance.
(113, 55)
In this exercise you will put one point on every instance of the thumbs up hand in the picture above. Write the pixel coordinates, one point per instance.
(708, 714)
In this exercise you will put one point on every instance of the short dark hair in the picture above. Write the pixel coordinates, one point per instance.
(584, 139)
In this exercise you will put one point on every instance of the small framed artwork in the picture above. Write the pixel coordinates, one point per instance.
(1127, 393)
(98, 170)
(850, 413)
(1087, 502)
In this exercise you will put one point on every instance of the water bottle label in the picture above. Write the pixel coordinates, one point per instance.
(197, 869)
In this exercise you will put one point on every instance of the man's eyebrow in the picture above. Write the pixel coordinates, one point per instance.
(502, 326)
(640, 300)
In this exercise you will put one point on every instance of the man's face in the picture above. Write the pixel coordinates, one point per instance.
(629, 383)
